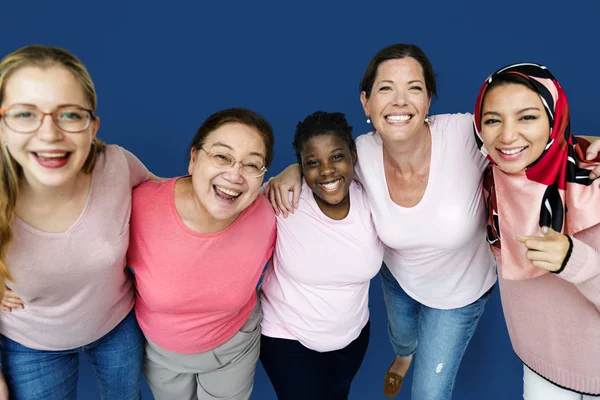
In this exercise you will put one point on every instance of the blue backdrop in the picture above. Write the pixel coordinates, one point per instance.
(162, 67)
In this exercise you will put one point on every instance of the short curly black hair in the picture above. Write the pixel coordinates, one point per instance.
(322, 123)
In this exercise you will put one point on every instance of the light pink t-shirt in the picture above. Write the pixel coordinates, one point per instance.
(75, 284)
(316, 290)
(436, 250)
(194, 290)
(554, 319)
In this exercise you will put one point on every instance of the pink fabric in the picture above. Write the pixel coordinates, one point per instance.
(75, 284)
(554, 319)
(195, 291)
(436, 250)
(316, 290)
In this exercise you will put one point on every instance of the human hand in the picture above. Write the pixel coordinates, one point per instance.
(10, 300)
(278, 187)
(548, 251)
(592, 153)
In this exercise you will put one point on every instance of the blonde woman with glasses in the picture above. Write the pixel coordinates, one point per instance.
(65, 204)
(198, 246)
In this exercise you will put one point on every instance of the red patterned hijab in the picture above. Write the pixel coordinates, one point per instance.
(555, 190)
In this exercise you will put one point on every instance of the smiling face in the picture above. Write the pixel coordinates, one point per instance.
(49, 157)
(399, 102)
(224, 192)
(328, 168)
(514, 126)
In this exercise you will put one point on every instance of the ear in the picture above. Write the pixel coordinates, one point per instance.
(193, 155)
(363, 100)
(96, 127)
(354, 157)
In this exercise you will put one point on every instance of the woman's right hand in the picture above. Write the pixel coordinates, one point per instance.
(10, 300)
(3, 388)
(278, 187)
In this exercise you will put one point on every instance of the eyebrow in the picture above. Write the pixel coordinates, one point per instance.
(59, 106)
(309, 155)
(518, 112)
(410, 82)
(231, 148)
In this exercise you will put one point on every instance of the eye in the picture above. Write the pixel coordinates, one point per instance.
(252, 167)
(311, 163)
(223, 159)
(491, 121)
(385, 88)
(416, 88)
(338, 157)
(70, 115)
(21, 114)
(529, 117)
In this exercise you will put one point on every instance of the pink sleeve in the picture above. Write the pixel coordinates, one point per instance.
(138, 172)
(583, 267)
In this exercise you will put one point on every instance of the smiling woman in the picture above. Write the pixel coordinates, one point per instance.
(68, 286)
(198, 246)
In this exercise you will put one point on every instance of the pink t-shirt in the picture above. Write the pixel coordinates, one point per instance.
(75, 284)
(436, 250)
(194, 290)
(316, 290)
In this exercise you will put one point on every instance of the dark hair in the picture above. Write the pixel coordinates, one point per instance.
(240, 116)
(509, 79)
(322, 123)
(396, 52)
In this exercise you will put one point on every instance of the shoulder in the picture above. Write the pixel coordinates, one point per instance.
(151, 189)
(261, 211)
(368, 140)
(452, 122)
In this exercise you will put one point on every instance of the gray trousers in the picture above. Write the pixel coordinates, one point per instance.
(225, 372)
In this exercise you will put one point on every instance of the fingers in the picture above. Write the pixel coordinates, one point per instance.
(12, 303)
(6, 309)
(595, 172)
(279, 202)
(11, 300)
(296, 194)
(545, 265)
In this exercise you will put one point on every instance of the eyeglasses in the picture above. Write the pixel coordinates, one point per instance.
(223, 160)
(28, 119)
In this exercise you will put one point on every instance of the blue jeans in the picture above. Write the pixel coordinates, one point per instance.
(437, 338)
(117, 359)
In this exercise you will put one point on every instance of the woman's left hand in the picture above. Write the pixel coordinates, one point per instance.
(593, 151)
(547, 252)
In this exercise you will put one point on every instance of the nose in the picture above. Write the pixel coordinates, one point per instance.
(400, 97)
(327, 169)
(508, 132)
(234, 173)
(48, 131)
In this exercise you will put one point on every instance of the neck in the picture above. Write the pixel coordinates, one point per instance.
(411, 155)
(200, 219)
(334, 211)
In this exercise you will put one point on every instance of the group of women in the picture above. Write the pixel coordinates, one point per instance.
(158, 277)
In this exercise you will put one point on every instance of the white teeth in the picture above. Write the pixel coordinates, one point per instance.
(398, 118)
(331, 186)
(227, 191)
(513, 151)
(51, 155)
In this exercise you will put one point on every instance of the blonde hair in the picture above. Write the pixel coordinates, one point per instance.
(10, 171)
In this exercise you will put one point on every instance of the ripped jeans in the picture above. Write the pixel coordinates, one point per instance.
(437, 338)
